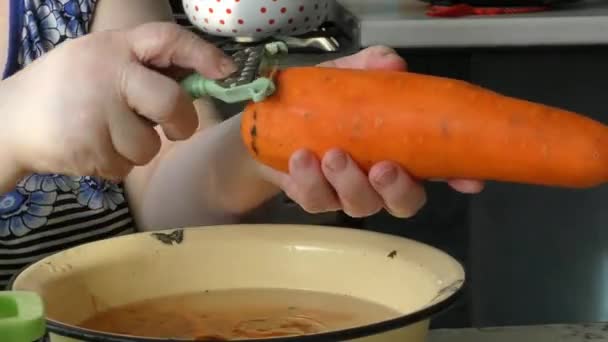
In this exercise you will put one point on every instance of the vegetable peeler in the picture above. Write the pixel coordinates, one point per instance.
(253, 80)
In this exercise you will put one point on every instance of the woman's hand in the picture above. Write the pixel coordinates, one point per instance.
(337, 183)
(90, 106)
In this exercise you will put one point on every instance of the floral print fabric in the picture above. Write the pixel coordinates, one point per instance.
(28, 206)
(47, 23)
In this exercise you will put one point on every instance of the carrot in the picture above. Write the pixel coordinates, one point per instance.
(434, 127)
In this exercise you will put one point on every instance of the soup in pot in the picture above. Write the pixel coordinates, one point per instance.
(224, 315)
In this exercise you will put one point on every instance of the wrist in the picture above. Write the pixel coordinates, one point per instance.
(251, 182)
(10, 172)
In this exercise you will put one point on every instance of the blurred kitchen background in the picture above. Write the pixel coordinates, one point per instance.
(534, 255)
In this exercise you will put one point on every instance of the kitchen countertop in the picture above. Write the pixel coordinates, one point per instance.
(596, 332)
(404, 24)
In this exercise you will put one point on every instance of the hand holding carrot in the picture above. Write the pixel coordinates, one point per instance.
(337, 183)
(435, 127)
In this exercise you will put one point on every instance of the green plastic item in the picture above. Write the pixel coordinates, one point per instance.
(275, 48)
(21, 317)
(198, 86)
(258, 90)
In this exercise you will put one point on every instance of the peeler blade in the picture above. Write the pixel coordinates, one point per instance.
(254, 80)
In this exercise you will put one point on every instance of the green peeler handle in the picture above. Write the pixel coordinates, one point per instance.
(198, 86)
(21, 317)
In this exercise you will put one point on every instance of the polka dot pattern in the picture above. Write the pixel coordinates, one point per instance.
(256, 18)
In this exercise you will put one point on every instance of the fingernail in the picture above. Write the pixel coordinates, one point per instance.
(386, 51)
(387, 177)
(336, 162)
(302, 160)
(227, 66)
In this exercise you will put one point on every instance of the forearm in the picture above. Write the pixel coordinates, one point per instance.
(11, 163)
(119, 14)
(209, 179)
(10, 172)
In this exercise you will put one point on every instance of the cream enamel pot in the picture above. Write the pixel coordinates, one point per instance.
(256, 19)
(415, 279)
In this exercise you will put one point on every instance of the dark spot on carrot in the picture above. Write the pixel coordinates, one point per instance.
(445, 129)
(515, 120)
(254, 134)
(392, 254)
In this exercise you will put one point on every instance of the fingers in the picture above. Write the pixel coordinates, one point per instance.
(167, 44)
(466, 186)
(112, 165)
(307, 185)
(338, 183)
(357, 196)
(375, 57)
(134, 138)
(159, 99)
(402, 196)
(89, 157)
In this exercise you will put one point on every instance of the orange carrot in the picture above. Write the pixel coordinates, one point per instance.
(433, 127)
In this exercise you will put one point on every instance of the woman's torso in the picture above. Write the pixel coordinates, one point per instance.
(47, 213)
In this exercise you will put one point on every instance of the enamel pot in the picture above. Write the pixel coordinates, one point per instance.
(415, 280)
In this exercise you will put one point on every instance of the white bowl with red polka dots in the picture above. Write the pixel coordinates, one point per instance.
(256, 19)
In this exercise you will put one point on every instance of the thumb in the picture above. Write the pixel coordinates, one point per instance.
(166, 45)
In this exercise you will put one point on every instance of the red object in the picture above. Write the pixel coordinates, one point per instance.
(461, 10)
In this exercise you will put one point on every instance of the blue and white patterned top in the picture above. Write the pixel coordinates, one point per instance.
(47, 213)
